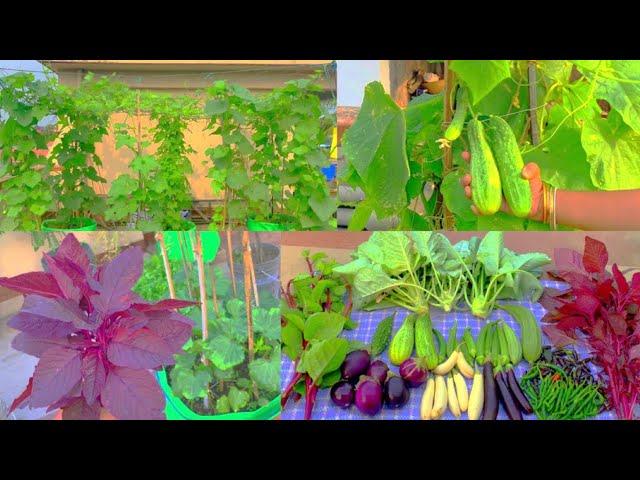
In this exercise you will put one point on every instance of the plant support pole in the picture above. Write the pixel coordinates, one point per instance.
(230, 260)
(197, 252)
(254, 283)
(447, 161)
(533, 103)
(167, 265)
(214, 293)
(246, 254)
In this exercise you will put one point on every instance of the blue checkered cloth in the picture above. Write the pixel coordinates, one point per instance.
(325, 409)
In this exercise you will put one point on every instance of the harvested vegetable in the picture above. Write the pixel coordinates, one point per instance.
(467, 339)
(446, 366)
(509, 403)
(396, 393)
(342, 394)
(425, 342)
(378, 370)
(402, 344)
(426, 404)
(530, 333)
(464, 367)
(413, 372)
(476, 398)
(440, 398)
(461, 391)
(490, 410)
(599, 311)
(452, 397)
(355, 364)
(382, 336)
(369, 396)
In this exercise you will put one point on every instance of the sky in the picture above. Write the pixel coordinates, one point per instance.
(353, 75)
(20, 65)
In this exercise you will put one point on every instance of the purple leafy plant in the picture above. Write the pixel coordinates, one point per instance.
(97, 341)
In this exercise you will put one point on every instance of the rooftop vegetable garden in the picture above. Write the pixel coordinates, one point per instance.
(576, 120)
(264, 162)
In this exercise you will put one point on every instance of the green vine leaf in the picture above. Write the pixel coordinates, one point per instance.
(481, 76)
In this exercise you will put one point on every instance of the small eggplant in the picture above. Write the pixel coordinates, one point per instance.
(369, 396)
(342, 394)
(396, 393)
(378, 370)
(510, 405)
(490, 409)
(412, 373)
(517, 392)
(355, 364)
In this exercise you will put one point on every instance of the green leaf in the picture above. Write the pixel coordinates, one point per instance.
(490, 251)
(30, 179)
(257, 192)
(360, 216)
(223, 405)
(126, 140)
(323, 325)
(317, 158)
(330, 379)
(238, 399)
(292, 341)
(324, 356)
(123, 186)
(216, 107)
(237, 178)
(454, 197)
(374, 147)
(481, 76)
(224, 353)
(323, 206)
(267, 322)
(266, 373)
(144, 164)
(613, 150)
(189, 384)
(235, 307)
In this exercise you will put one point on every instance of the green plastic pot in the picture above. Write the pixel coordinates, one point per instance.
(258, 226)
(87, 225)
(175, 409)
(210, 244)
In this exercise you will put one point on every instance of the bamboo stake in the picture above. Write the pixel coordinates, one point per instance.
(533, 103)
(252, 270)
(167, 265)
(447, 164)
(197, 251)
(214, 294)
(185, 264)
(230, 260)
(246, 254)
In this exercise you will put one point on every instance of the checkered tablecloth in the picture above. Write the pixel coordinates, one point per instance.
(324, 408)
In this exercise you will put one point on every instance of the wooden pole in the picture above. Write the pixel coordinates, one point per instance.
(230, 260)
(214, 294)
(197, 251)
(246, 254)
(167, 265)
(447, 162)
(533, 103)
(252, 270)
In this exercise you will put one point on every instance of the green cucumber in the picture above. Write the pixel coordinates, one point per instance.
(454, 129)
(486, 190)
(425, 343)
(506, 153)
(402, 343)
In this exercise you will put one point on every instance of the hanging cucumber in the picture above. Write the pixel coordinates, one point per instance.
(510, 164)
(486, 190)
(454, 129)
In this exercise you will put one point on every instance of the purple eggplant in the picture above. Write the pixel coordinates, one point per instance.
(342, 394)
(369, 395)
(413, 373)
(490, 408)
(355, 364)
(378, 370)
(517, 392)
(396, 393)
(510, 405)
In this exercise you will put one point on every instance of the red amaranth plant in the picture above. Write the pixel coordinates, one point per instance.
(96, 339)
(600, 310)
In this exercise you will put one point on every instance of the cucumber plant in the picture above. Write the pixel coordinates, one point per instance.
(589, 139)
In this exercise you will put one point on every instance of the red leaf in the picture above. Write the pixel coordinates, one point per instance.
(618, 323)
(79, 409)
(579, 281)
(634, 352)
(169, 304)
(62, 279)
(588, 305)
(35, 346)
(41, 327)
(57, 372)
(94, 376)
(116, 281)
(635, 287)
(61, 310)
(70, 249)
(22, 398)
(595, 255)
(557, 337)
(141, 348)
(599, 330)
(567, 259)
(621, 282)
(571, 323)
(133, 395)
(605, 290)
(173, 328)
(36, 283)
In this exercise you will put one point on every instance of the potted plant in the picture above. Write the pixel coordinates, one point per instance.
(268, 166)
(25, 189)
(230, 368)
(97, 342)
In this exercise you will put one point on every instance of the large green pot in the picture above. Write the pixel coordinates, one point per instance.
(86, 225)
(175, 409)
(258, 226)
(210, 244)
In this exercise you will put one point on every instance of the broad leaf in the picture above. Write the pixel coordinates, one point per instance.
(266, 373)
(324, 356)
(224, 353)
(57, 372)
(37, 283)
(141, 348)
(131, 394)
(117, 279)
(94, 376)
(323, 325)
(480, 76)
